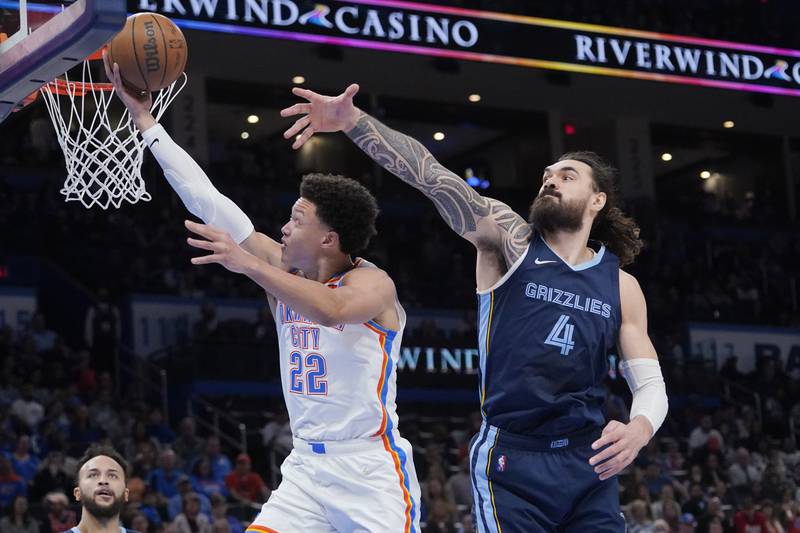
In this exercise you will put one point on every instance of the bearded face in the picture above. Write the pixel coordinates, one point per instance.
(104, 504)
(550, 212)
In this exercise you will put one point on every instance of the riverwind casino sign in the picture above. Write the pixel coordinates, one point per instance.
(415, 28)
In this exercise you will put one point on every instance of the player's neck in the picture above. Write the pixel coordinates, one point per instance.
(90, 524)
(327, 267)
(572, 248)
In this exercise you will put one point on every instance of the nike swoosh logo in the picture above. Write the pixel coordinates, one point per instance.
(154, 142)
(542, 262)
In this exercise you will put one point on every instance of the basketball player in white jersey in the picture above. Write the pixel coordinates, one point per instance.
(339, 329)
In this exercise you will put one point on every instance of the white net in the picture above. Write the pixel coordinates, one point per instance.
(103, 155)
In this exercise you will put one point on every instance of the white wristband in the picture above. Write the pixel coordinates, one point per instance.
(649, 391)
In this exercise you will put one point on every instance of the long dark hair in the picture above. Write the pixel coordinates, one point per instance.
(612, 227)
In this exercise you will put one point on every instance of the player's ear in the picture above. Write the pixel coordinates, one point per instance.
(599, 201)
(125, 494)
(330, 239)
(76, 492)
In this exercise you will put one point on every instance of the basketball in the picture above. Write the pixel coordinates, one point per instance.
(150, 50)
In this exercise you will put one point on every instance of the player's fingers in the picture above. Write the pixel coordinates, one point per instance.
(209, 232)
(301, 140)
(605, 454)
(304, 93)
(296, 109)
(609, 435)
(351, 90)
(296, 127)
(203, 245)
(107, 66)
(206, 259)
(611, 463)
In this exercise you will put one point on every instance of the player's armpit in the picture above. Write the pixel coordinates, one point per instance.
(264, 248)
(476, 218)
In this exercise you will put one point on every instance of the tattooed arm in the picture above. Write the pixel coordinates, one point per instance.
(488, 224)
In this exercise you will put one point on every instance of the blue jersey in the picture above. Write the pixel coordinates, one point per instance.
(545, 331)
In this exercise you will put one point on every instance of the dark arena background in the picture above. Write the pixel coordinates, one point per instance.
(108, 333)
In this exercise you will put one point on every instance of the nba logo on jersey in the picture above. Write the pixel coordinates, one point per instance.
(501, 463)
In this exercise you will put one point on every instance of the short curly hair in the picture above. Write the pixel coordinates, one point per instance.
(345, 205)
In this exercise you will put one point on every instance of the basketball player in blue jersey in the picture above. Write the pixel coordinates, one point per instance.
(101, 490)
(339, 326)
(553, 304)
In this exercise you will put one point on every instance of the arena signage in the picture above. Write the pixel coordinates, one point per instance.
(442, 31)
(748, 344)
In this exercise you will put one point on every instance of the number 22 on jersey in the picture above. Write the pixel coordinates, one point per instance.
(306, 374)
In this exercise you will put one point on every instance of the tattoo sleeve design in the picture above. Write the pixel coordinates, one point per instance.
(460, 205)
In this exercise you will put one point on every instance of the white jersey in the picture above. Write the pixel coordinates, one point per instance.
(339, 382)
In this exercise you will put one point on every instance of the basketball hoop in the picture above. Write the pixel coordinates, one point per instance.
(104, 159)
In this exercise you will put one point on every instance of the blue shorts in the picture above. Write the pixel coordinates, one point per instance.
(531, 485)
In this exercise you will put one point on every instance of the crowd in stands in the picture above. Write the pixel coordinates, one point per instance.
(716, 465)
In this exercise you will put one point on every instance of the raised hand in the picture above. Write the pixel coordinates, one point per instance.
(226, 251)
(321, 114)
(135, 101)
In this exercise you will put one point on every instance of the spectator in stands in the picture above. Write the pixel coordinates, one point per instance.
(245, 485)
(132, 443)
(176, 503)
(655, 479)
(44, 339)
(23, 462)
(102, 331)
(191, 520)
(277, 435)
(144, 461)
(657, 507)
(671, 514)
(220, 464)
(219, 512)
(83, 432)
(188, 446)
(203, 480)
(19, 520)
(27, 409)
(637, 518)
(59, 516)
(742, 473)
(164, 479)
(140, 523)
(459, 484)
(772, 523)
(439, 518)
(51, 477)
(158, 428)
(697, 501)
(704, 437)
(686, 524)
(11, 485)
(749, 519)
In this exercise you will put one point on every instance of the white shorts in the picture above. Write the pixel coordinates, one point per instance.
(364, 486)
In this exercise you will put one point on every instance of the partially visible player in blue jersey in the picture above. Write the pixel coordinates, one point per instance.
(554, 303)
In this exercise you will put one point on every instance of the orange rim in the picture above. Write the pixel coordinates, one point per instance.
(75, 88)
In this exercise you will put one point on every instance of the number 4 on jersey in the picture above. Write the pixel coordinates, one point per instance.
(561, 335)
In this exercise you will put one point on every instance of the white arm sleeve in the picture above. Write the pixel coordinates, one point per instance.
(194, 188)
(649, 392)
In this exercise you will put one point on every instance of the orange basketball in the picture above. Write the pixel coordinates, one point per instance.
(150, 50)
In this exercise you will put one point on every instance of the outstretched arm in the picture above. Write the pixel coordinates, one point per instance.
(486, 223)
(187, 179)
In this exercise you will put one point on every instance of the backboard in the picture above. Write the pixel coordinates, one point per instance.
(44, 40)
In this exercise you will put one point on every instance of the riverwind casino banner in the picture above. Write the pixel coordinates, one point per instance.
(416, 28)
